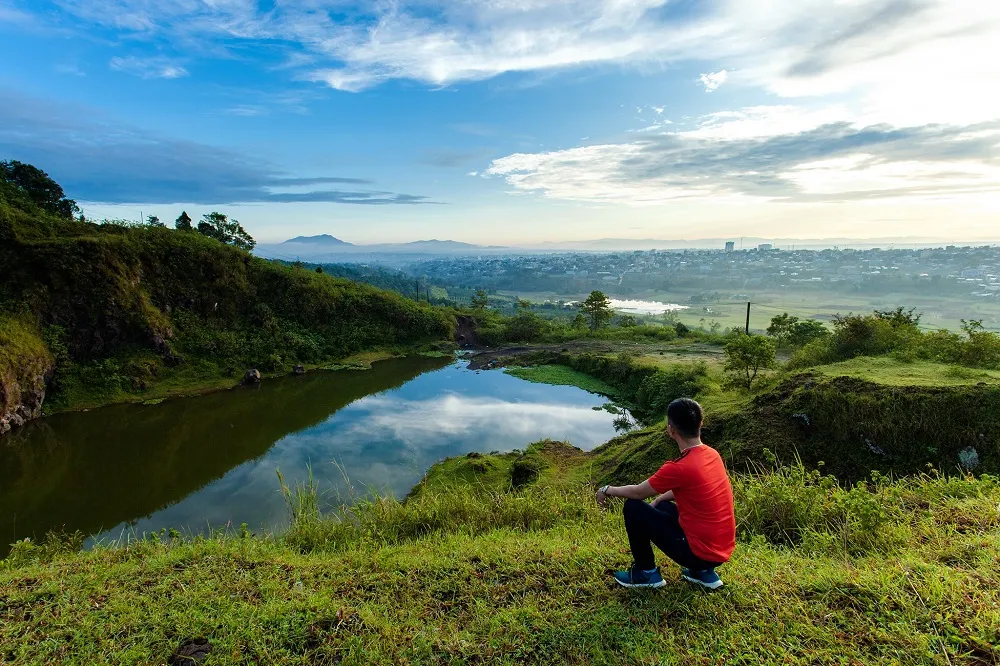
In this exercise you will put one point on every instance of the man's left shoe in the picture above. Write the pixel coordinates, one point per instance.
(636, 577)
(706, 578)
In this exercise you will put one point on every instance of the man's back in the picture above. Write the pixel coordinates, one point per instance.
(704, 500)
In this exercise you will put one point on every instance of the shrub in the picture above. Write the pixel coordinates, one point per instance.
(792, 506)
(747, 355)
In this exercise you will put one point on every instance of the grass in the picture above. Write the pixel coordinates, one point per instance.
(892, 372)
(472, 571)
(560, 375)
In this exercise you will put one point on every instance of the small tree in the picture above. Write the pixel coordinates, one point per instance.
(781, 327)
(183, 222)
(747, 355)
(522, 305)
(153, 221)
(598, 310)
(480, 300)
(579, 321)
(626, 321)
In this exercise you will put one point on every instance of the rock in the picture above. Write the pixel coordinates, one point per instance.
(4, 426)
(15, 420)
(300, 369)
(252, 376)
(191, 651)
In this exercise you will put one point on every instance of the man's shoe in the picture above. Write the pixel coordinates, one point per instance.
(636, 577)
(706, 578)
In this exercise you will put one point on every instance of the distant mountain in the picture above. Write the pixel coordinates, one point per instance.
(433, 245)
(325, 240)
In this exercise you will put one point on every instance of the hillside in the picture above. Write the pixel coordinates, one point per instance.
(104, 313)
(506, 560)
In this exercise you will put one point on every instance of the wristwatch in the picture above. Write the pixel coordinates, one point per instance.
(604, 489)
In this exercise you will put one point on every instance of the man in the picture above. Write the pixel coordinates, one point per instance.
(692, 519)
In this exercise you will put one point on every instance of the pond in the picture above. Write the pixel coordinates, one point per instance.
(644, 307)
(211, 460)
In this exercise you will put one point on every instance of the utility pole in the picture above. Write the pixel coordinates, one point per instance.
(748, 318)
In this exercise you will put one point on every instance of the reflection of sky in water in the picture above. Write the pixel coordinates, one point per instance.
(387, 441)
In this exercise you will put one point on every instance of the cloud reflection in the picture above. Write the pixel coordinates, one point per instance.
(386, 442)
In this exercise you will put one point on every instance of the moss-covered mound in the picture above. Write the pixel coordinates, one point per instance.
(854, 426)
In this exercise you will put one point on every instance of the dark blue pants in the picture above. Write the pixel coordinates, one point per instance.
(647, 525)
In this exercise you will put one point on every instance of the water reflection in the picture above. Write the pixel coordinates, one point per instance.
(211, 460)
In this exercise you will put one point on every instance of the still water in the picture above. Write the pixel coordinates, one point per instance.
(210, 460)
(644, 307)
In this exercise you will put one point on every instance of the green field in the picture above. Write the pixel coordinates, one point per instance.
(938, 312)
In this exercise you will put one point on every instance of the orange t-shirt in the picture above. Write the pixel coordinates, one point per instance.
(704, 500)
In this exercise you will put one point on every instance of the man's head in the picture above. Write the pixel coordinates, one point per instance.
(684, 417)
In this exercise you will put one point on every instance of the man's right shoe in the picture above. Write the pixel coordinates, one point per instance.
(636, 577)
(706, 578)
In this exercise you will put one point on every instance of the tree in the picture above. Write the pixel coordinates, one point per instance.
(781, 327)
(626, 321)
(153, 221)
(36, 186)
(747, 355)
(221, 228)
(579, 321)
(804, 332)
(522, 305)
(319, 269)
(183, 222)
(480, 300)
(598, 310)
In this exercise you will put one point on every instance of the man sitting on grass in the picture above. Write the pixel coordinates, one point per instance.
(691, 520)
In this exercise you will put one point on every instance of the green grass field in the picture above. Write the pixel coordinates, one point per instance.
(938, 312)
(474, 572)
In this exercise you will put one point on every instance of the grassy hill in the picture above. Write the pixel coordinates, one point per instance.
(471, 570)
(111, 312)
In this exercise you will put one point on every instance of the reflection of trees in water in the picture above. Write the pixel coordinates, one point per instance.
(91, 471)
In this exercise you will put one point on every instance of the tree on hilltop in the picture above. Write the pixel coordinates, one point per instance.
(36, 185)
(221, 228)
(183, 222)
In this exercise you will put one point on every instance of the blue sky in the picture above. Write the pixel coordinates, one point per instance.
(515, 121)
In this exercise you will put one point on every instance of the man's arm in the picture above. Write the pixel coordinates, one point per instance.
(639, 491)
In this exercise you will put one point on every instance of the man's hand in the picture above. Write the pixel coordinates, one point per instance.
(602, 497)
(665, 497)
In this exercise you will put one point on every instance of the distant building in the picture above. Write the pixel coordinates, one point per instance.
(764, 247)
(730, 246)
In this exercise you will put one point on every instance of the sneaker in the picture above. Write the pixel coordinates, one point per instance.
(636, 577)
(706, 578)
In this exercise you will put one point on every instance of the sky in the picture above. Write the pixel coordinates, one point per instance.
(515, 122)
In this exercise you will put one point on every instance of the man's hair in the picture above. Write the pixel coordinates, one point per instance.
(685, 415)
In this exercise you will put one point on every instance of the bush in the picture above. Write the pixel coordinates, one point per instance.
(792, 506)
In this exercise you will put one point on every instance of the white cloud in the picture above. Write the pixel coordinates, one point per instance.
(885, 54)
(148, 68)
(713, 80)
(767, 153)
